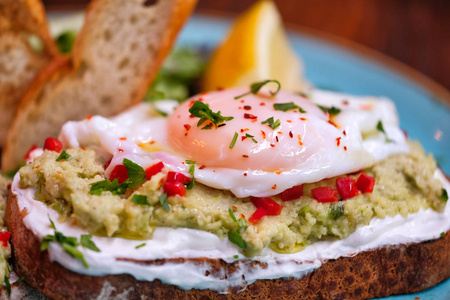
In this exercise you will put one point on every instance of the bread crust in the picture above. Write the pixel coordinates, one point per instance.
(400, 269)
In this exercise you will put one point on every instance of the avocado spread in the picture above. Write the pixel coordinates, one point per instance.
(404, 184)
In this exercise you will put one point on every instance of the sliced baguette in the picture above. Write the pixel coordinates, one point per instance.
(19, 63)
(378, 273)
(117, 53)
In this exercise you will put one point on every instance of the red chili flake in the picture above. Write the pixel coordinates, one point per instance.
(4, 238)
(107, 164)
(289, 121)
(123, 138)
(247, 107)
(204, 94)
(187, 127)
(279, 132)
(242, 101)
(240, 107)
(191, 116)
(220, 88)
(82, 148)
(234, 207)
(154, 169)
(89, 117)
(151, 142)
(345, 102)
(120, 150)
(366, 106)
(59, 172)
(120, 172)
(32, 148)
(293, 193)
(303, 119)
(274, 187)
(262, 104)
(243, 138)
(178, 116)
(365, 183)
(52, 144)
(338, 141)
(345, 148)
(250, 116)
(245, 156)
(290, 134)
(325, 194)
(242, 216)
(278, 172)
(272, 145)
(300, 140)
(277, 139)
(332, 123)
(346, 187)
(245, 129)
(263, 134)
(245, 174)
(202, 167)
(344, 133)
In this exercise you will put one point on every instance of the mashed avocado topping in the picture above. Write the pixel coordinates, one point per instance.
(404, 184)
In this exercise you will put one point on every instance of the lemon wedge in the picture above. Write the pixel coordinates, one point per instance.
(256, 49)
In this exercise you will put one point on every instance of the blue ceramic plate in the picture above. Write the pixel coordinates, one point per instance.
(423, 105)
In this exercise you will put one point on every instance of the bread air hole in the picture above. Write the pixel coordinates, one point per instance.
(148, 3)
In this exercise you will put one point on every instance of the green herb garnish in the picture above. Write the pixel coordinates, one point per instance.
(107, 186)
(287, 106)
(252, 137)
(140, 246)
(136, 174)
(87, 242)
(444, 195)
(191, 164)
(233, 142)
(255, 87)
(236, 256)
(202, 111)
(65, 41)
(69, 244)
(380, 128)
(63, 156)
(22, 278)
(140, 199)
(230, 211)
(442, 234)
(336, 211)
(8, 285)
(242, 224)
(236, 238)
(162, 200)
(271, 123)
(331, 110)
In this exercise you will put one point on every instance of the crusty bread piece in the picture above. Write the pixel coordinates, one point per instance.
(20, 19)
(378, 273)
(117, 53)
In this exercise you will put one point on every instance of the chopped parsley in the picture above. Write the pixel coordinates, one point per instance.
(8, 285)
(65, 41)
(271, 123)
(140, 199)
(162, 200)
(233, 142)
(331, 110)
(86, 242)
(236, 256)
(136, 174)
(252, 137)
(288, 106)
(236, 238)
(255, 87)
(63, 156)
(191, 164)
(202, 111)
(444, 195)
(140, 246)
(442, 234)
(380, 128)
(69, 244)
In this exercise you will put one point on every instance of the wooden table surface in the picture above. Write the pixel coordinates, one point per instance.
(415, 32)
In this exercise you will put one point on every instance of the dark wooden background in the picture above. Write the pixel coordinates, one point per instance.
(415, 32)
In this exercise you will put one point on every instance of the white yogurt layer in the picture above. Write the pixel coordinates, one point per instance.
(188, 243)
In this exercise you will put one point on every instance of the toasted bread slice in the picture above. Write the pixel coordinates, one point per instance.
(117, 53)
(399, 269)
(19, 63)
